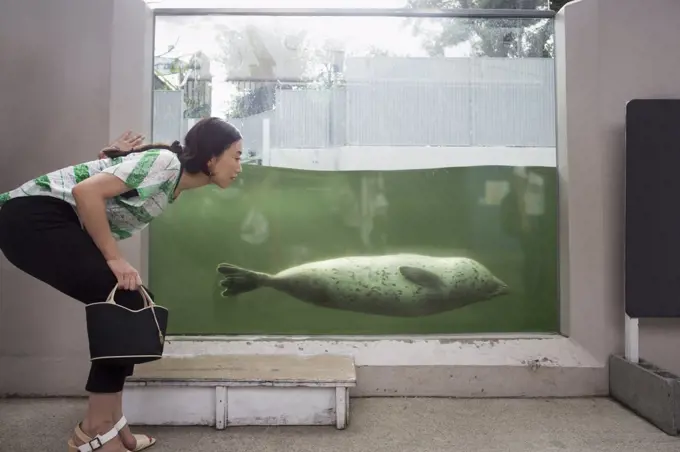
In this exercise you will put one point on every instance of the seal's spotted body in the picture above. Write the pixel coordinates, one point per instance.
(404, 285)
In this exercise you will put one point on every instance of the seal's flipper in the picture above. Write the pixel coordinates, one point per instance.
(239, 280)
(421, 277)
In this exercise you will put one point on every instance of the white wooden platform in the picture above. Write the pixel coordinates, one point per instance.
(229, 390)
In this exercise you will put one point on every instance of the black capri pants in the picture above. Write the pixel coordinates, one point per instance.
(42, 236)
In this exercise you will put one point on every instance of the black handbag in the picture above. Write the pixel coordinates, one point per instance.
(123, 336)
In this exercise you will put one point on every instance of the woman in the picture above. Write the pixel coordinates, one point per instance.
(62, 228)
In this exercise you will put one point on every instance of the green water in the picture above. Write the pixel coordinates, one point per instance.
(274, 218)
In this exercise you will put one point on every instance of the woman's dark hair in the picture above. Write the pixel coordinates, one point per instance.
(208, 138)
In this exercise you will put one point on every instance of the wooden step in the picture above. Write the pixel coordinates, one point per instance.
(229, 390)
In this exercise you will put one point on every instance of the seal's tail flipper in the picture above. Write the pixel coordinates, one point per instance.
(239, 280)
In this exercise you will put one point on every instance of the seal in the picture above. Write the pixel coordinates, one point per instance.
(396, 285)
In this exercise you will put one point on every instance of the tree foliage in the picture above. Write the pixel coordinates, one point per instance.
(490, 37)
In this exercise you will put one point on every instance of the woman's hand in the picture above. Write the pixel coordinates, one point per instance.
(125, 142)
(127, 276)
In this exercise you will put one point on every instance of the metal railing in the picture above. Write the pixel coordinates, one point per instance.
(358, 12)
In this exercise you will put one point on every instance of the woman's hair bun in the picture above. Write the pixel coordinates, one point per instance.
(176, 147)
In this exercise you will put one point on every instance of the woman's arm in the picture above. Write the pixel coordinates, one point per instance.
(90, 196)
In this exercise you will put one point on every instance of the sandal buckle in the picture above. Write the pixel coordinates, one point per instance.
(96, 441)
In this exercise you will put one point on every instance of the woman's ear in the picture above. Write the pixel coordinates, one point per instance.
(211, 164)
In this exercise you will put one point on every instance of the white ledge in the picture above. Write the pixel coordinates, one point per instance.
(487, 350)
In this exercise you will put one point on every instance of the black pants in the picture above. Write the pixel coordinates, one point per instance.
(42, 236)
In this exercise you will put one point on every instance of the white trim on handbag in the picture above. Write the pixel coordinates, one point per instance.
(126, 356)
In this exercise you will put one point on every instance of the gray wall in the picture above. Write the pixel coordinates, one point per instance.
(79, 75)
(609, 52)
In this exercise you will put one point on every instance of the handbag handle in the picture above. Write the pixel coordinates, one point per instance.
(148, 302)
(145, 295)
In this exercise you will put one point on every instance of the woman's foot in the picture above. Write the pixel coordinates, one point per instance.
(103, 437)
(135, 443)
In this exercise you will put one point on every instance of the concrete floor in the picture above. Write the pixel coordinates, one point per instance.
(377, 425)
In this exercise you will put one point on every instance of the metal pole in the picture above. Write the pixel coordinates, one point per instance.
(359, 12)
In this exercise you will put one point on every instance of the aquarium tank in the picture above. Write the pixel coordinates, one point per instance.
(399, 176)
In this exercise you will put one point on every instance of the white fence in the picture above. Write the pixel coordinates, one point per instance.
(406, 102)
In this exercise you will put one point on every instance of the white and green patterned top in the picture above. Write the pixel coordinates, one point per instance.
(154, 174)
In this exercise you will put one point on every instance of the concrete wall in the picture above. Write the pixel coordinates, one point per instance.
(608, 52)
(80, 74)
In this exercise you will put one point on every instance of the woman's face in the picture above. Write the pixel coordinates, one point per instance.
(227, 166)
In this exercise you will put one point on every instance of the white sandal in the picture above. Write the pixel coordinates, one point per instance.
(92, 444)
(143, 442)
